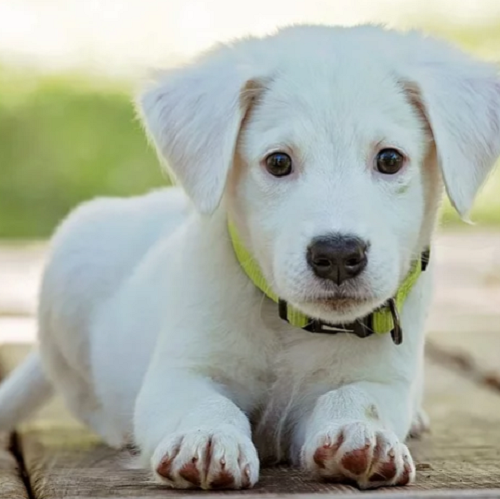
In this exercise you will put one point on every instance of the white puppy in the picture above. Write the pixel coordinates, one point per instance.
(325, 149)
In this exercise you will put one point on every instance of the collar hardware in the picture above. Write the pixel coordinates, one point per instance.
(362, 328)
(424, 259)
(397, 330)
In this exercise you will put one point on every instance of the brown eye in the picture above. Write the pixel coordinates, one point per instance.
(279, 164)
(389, 161)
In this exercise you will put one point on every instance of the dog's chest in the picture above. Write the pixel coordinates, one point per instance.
(307, 365)
(309, 357)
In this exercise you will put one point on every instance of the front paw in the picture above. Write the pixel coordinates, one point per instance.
(357, 452)
(207, 459)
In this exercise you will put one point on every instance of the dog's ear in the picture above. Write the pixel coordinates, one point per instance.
(460, 98)
(193, 115)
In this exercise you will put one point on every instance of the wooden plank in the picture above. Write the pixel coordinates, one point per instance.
(11, 482)
(21, 266)
(462, 455)
(16, 329)
(463, 450)
(477, 354)
(467, 283)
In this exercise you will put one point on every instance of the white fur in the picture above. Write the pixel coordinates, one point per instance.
(154, 335)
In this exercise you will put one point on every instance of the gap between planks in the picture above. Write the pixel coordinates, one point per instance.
(15, 450)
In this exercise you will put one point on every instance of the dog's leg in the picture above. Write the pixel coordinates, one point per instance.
(194, 435)
(356, 433)
(78, 395)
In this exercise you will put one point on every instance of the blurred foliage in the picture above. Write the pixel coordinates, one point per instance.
(64, 139)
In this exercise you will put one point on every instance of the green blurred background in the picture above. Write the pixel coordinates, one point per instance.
(66, 137)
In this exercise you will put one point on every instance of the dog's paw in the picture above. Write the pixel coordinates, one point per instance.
(419, 425)
(207, 459)
(359, 453)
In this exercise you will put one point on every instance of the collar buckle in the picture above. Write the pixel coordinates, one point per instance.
(425, 258)
(397, 330)
(362, 328)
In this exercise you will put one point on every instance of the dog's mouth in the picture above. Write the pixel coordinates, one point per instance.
(339, 306)
(340, 297)
(333, 303)
(340, 303)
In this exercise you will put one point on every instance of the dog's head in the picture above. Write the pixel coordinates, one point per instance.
(329, 147)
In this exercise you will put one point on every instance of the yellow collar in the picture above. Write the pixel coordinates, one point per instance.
(381, 321)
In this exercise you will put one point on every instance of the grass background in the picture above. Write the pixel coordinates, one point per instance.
(62, 140)
(66, 138)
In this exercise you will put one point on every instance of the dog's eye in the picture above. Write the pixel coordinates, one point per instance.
(279, 164)
(389, 161)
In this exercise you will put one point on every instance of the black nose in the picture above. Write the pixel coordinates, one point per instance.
(337, 257)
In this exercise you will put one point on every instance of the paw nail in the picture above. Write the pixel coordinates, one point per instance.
(245, 482)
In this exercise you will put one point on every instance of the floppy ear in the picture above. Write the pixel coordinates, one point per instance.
(193, 116)
(460, 98)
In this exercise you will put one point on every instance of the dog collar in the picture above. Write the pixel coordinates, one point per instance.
(383, 320)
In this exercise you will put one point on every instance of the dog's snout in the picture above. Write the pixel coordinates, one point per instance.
(337, 257)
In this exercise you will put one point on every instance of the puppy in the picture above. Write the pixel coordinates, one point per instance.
(274, 308)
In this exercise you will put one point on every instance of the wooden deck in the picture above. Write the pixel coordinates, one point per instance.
(53, 456)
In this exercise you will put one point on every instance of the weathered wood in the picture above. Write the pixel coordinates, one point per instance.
(20, 267)
(463, 450)
(467, 282)
(477, 353)
(462, 455)
(11, 482)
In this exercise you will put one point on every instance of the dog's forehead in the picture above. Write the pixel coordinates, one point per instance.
(340, 84)
(315, 99)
